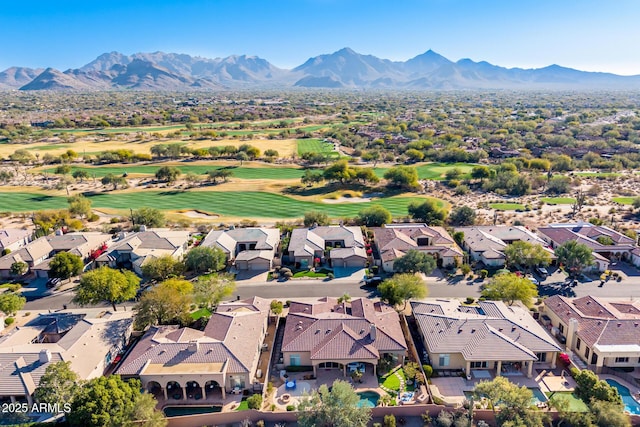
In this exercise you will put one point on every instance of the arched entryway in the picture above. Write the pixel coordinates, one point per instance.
(193, 390)
(213, 390)
(175, 391)
(155, 389)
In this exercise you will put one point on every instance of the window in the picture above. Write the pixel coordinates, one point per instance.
(444, 360)
(594, 358)
(578, 342)
(478, 364)
(294, 360)
(587, 352)
(622, 360)
(561, 328)
(542, 357)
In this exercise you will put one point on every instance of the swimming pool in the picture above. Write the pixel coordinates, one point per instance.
(630, 404)
(368, 399)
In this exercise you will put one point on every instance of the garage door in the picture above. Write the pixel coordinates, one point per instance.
(354, 262)
(260, 265)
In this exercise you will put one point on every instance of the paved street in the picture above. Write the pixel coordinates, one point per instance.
(438, 287)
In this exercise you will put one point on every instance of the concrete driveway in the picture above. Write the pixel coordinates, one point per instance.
(248, 276)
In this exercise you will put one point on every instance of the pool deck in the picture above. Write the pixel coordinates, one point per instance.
(451, 389)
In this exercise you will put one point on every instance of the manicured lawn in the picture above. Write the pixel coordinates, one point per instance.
(238, 172)
(624, 200)
(575, 404)
(506, 206)
(391, 381)
(558, 200)
(203, 312)
(315, 145)
(244, 406)
(244, 204)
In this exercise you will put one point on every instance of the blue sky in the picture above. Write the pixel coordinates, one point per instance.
(591, 35)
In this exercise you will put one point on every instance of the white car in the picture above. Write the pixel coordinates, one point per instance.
(533, 280)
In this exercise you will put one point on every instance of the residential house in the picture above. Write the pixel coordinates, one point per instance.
(338, 245)
(600, 332)
(185, 363)
(247, 248)
(394, 240)
(89, 339)
(486, 244)
(32, 254)
(131, 251)
(82, 244)
(607, 245)
(12, 239)
(488, 336)
(352, 335)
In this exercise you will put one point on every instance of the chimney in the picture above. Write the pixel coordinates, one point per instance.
(143, 227)
(194, 346)
(45, 355)
(572, 329)
(59, 232)
(372, 332)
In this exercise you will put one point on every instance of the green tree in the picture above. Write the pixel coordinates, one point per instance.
(315, 217)
(510, 288)
(480, 172)
(223, 174)
(111, 179)
(276, 307)
(168, 302)
(19, 268)
(22, 156)
(270, 153)
(339, 171)
(255, 401)
(309, 178)
(337, 406)
(589, 386)
(401, 288)
(403, 176)
(427, 211)
(373, 216)
(79, 206)
(168, 173)
(62, 170)
(609, 414)
(209, 290)
(106, 285)
(110, 402)
(559, 184)
(574, 256)
(242, 157)
(514, 403)
(149, 217)
(366, 175)
(162, 268)
(529, 255)
(414, 261)
(58, 384)
(462, 216)
(65, 265)
(202, 259)
(80, 174)
(11, 302)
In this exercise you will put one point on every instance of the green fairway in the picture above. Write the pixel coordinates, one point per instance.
(238, 172)
(315, 145)
(558, 200)
(244, 204)
(624, 200)
(506, 206)
(436, 170)
(598, 174)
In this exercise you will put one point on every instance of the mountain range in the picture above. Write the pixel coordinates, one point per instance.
(344, 69)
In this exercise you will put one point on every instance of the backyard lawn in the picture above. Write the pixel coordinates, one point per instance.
(575, 404)
(203, 312)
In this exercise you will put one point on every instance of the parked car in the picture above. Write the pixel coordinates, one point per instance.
(533, 280)
(373, 281)
(542, 272)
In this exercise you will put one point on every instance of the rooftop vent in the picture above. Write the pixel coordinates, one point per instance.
(44, 356)
(194, 346)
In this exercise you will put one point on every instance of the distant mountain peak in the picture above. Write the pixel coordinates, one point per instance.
(344, 68)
